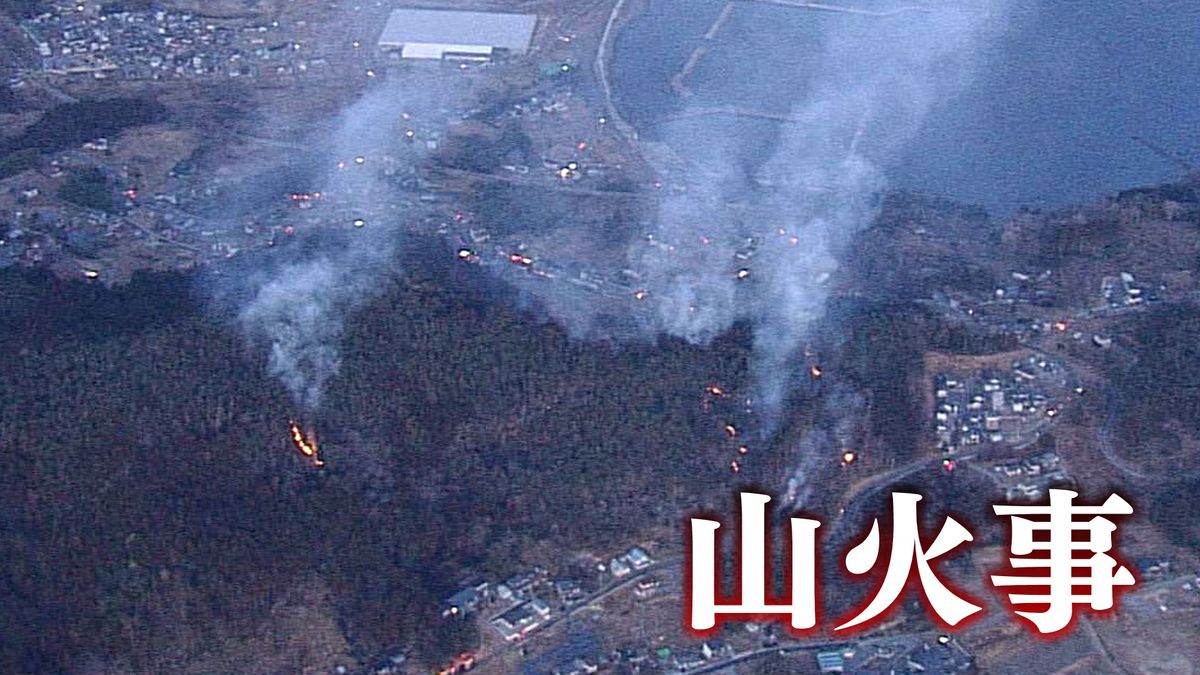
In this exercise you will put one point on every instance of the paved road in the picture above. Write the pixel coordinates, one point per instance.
(812, 645)
(601, 62)
(613, 587)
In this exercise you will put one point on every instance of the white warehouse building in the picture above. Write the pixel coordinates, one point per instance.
(453, 34)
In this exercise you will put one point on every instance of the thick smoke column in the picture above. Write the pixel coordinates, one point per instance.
(299, 312)
(298, 308)
(755, 230)
(875, 79)
(755, 237)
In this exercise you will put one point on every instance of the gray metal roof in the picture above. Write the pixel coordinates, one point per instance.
(452, 27)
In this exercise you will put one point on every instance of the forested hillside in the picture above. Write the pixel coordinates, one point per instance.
(152, 503)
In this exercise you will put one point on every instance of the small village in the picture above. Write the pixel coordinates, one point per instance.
(159, 44)
(1010, 408)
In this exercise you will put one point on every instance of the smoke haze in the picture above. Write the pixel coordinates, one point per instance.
(749, 235)
(756, 232)
(298, 308)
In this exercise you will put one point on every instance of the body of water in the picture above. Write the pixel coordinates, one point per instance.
(1047, 120)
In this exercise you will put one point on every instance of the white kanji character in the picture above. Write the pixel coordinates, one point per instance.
(752, 564)
(907, 549)
(1056, 558)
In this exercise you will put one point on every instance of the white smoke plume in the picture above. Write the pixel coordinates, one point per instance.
(298, 309)
(300, 312)
(756, 236)
(874, 82)
(834, 432)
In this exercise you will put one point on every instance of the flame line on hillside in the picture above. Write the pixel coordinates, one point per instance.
(305, 444)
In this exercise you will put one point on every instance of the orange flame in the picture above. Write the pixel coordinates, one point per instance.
(460, 663)
(307, 445)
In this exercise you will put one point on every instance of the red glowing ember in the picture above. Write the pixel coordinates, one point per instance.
(306, 444)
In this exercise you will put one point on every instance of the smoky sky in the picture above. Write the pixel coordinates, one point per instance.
(752, 233)
(297, 306)
(755, 229)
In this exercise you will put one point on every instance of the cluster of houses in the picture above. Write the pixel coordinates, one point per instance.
(1124, 291)
(636, 660)
(158, 44)
(523, 595)
(38, 226)
(943, 655)
(525, 613)
(995, 308)
(1028, 288)
(635, 559)
(1031, 477)
(521, 620)
(1008, 408)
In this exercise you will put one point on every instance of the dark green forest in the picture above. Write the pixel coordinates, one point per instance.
(153, 504)
(156, 505)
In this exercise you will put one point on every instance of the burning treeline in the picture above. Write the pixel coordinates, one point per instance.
(306, 444)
